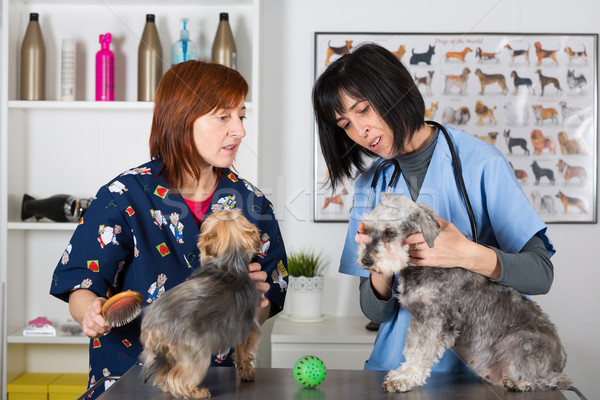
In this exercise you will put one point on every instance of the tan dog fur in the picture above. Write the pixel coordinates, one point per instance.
(460, 81)
(542, 53)
(570, 172)
(484, 111)
(541, 114)
(569, 146)
(459, 55)
(541, 142)
(488, 79)
(571, 201)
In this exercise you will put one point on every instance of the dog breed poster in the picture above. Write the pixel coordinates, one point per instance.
(532, 96)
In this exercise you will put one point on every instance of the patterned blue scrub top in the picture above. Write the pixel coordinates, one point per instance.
(138, 234)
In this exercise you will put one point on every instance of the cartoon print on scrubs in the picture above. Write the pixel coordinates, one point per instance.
(266, 243)
(85, 284)
(147, 248)
(176, 227)
(109, 382)
(224, 203)
(117, 187)
(92, 381)
(136, 252)
(136, 171)
(278, 274)
(65, 257)
(157, 288)
(108, 235)
(222, 356)
(159, 218)
(252, 188)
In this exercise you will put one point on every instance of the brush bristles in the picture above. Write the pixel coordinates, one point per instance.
(122, 312)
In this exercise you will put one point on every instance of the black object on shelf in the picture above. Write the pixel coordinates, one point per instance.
(59, 208)
(372, 326)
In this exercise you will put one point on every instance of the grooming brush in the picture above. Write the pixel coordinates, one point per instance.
(122, 308)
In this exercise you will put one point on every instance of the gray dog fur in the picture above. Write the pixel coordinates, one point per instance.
(501, 335)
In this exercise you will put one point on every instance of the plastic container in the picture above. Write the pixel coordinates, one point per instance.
(67, 71)
(149, 61)
(68, 386)
(223, 48)
(183, 49)
(31, 386)
(105, 70)
(33, 62)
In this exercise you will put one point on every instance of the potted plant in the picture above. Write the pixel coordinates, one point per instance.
(305, 289)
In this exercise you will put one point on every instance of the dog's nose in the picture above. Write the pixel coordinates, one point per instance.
(366, 261)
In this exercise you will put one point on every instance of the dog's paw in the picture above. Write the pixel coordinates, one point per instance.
(396, 384)
(247, 374)
(193, 393)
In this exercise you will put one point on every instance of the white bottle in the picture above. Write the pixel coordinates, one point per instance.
(67, 76)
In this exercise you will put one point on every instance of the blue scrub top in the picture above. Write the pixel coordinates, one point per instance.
(504, 218)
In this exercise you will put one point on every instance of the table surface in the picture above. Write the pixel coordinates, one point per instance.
(279, 383)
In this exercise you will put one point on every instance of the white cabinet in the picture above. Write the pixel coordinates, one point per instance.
(52, 147)
(341, 342)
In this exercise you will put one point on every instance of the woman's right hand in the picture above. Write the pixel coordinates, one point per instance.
(94, 325)
(86, 308)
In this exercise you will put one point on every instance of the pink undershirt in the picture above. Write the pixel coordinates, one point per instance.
(199, 208)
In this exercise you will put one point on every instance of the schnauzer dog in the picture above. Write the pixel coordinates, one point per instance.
(502, 336)
(211, 312)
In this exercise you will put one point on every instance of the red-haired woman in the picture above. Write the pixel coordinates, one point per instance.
(140, 231)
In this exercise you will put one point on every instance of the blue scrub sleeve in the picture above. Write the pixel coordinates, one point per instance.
(513, 220)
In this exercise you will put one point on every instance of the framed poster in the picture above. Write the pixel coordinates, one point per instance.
(532, 96)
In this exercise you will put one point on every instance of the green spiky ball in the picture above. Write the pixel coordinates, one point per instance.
(309, 371)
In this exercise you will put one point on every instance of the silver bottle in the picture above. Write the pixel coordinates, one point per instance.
(149, 61)
(33, 62)
(223, 48)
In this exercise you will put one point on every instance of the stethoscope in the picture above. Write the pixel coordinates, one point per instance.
(457, 174)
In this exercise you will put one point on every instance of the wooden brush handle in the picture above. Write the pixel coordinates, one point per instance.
(128, 294)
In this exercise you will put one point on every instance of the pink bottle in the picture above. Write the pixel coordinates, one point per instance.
(105, 71)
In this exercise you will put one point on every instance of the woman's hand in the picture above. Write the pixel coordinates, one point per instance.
(361, 236)
(452, 249)
(94, 325)
(86, 308)
(260, 278)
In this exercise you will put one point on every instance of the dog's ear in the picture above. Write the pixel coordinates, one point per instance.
(428, 224)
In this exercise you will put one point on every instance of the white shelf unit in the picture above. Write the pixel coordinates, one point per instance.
(52, 147)
(341, 342)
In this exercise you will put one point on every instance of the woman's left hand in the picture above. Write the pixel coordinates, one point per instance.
(452, 249)
(260, 278)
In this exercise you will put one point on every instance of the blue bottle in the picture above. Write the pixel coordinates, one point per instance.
(183, 49)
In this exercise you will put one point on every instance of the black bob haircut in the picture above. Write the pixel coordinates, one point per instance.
(371, 73)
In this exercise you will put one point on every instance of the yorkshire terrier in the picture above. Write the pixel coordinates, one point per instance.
(211, 312)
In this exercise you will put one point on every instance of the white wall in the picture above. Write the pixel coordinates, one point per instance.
(286, 166)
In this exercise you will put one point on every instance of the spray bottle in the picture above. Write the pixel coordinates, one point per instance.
(105, 70)
(183, 49)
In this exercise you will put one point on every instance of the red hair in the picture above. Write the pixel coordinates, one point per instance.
(186, 92)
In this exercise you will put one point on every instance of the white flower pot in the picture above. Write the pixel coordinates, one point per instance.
(305, 296)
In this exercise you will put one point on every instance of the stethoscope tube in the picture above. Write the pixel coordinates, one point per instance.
(457, 175)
